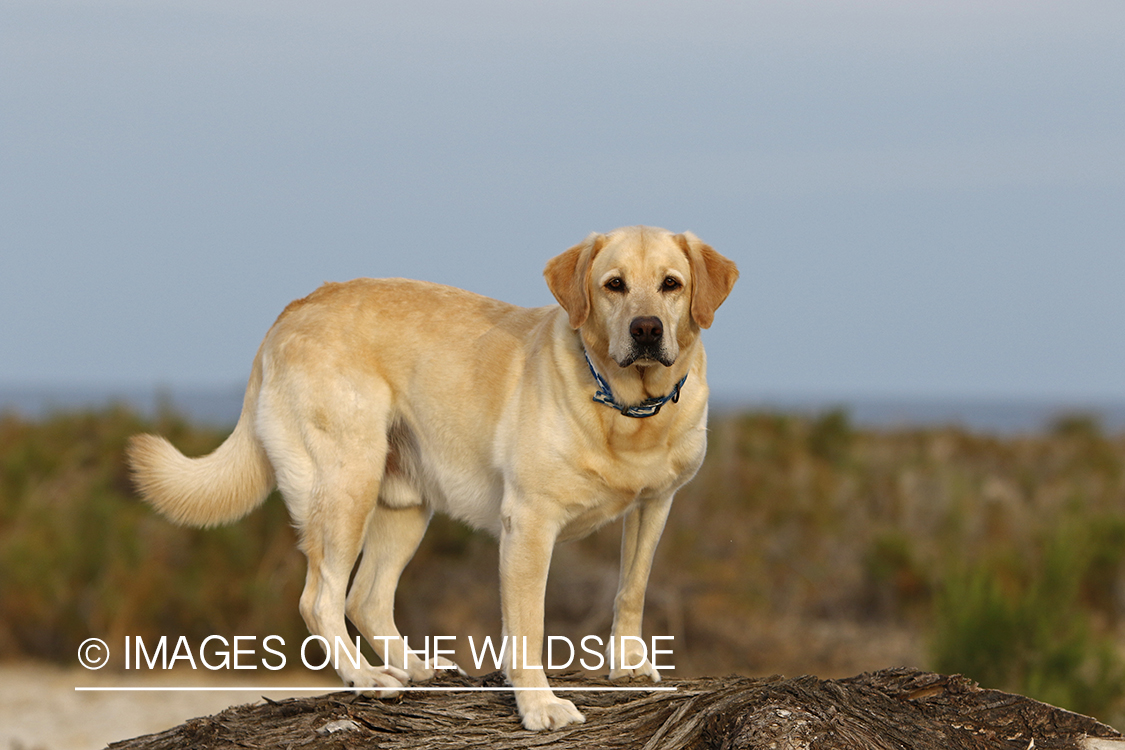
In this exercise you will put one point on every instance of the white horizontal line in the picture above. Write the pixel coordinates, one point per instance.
(321, 689)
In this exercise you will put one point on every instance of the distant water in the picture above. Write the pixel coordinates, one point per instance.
(998, 416)
(221, 407)
(210, 406)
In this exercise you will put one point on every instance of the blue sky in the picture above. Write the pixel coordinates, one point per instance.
(925, 199)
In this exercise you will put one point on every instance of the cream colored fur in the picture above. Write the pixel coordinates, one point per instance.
(374, 403)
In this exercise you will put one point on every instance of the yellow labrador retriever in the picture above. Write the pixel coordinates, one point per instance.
(373, 403)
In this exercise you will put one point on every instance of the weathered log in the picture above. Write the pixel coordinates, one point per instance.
(893, 709)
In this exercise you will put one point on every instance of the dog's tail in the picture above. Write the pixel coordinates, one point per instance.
(218, 488)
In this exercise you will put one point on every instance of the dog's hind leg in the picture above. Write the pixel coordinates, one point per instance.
(393, 535)
(332, 546)
(324, 428)
(331, 498)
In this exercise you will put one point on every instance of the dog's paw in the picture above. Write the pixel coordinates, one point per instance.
(645, 671)
(384, 682)
(633, 664)
(445, 665)
(421, 671)
(541, 710)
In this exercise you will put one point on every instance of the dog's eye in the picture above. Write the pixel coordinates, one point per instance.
(615, 285)
(671, 284)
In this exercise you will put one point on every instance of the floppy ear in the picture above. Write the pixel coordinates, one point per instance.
(712, 278)
(568, 278)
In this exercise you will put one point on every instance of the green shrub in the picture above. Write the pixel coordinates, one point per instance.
(1021, 624)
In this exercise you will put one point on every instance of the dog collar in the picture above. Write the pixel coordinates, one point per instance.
(647, 408)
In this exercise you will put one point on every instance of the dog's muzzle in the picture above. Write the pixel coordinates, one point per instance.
(647, 332)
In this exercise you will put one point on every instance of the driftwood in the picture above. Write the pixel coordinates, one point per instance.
(895, 709)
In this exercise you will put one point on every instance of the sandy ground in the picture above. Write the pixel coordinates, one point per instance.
(41, 710)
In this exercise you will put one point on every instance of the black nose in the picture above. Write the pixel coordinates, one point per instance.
(646, 330)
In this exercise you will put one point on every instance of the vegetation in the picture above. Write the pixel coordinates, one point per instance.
(82, 556)
(999, 558)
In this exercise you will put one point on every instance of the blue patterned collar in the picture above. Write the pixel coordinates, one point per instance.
(647, 408)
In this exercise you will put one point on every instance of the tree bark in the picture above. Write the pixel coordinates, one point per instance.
(893, 709)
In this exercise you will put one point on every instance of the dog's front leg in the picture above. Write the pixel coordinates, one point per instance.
(642, 529)
(527, 540)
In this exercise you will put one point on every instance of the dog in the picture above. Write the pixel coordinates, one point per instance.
(375, 402)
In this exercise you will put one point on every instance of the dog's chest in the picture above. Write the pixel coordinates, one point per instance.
(606, 487)
(637, 473)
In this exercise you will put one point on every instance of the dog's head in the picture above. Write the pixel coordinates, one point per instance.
(640, 293)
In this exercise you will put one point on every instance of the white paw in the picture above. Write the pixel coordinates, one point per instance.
(632, 665)
(419, 672)
(544, 710)
(445, 665)
(384, 682)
